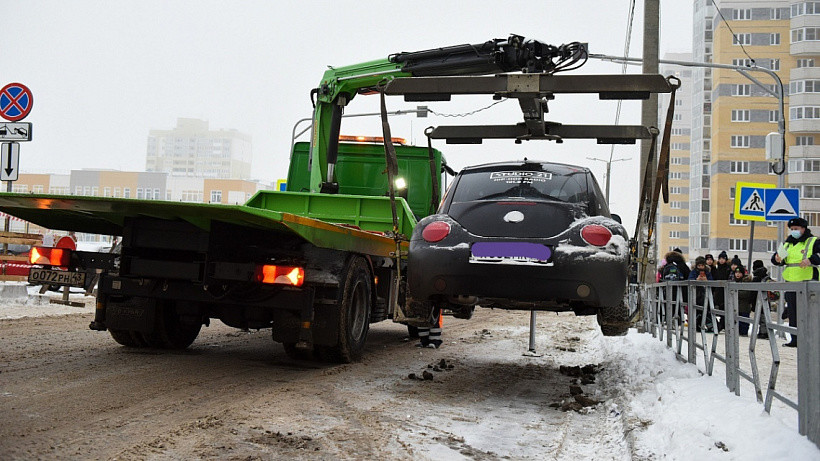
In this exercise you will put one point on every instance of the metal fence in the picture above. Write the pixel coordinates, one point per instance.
(688, 311)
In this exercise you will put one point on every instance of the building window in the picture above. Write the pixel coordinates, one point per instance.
(774, 116)
(804, 8)
(37, 189)
(738, 245)
(678, 117)
(811, 192)
(676, 190)
(78, 190)
(805, 34)
(679, 146)
(742, 90)
(19, 188)
(737, 222)
(776, 14)
(775, 63)
(676, 161)
(156, 194)
(106, 192)
(745, 62)
(139, 193)
(771, 245)
(674, 234)
(126, 193)
(739, 141)
(744, 14)
(804, 86)
(804, 112)
(804, 141)
(742, 39)
(676, 175)
(675, 205)
(812, 217)
(216, 196)
(741, 115)
(738, 167)
(805, 63)
(732, 193)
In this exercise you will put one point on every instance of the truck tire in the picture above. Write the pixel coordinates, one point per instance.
(127, 338)
(355, 304)
(171, 331)
(614, 320)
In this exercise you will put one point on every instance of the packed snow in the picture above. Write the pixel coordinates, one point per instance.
(652, 406)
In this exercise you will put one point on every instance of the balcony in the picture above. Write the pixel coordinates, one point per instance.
(796, 152)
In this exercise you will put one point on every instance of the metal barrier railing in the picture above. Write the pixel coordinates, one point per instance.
(688, 311)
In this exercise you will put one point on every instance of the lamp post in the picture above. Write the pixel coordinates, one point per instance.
(608, 170)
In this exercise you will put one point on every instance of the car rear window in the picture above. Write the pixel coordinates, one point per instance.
(566, 186)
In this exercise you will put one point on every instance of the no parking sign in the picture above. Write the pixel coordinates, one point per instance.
(15, 102)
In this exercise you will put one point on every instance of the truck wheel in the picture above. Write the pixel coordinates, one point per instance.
(614, 320)
(355, 304)
(127, 338)
(171, 330)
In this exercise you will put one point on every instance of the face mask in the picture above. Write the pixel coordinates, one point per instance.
(796, 234)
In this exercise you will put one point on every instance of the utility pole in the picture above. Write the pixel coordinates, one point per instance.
(649, 107)
(608, 170)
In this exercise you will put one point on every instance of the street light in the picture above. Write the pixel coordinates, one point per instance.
(608, 170)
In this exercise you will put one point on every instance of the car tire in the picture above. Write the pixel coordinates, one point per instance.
(614, 320)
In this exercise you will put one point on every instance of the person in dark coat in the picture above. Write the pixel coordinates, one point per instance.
(710, 262)
(722, 270)
(676, 258)
(745, 299)
(701, 272)
(761, 274)
(735, 263)
(800, 254)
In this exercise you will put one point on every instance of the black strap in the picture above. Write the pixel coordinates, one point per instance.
(434, 197)
(391, 161)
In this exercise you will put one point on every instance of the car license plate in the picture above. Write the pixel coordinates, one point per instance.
(53, 277)
(511, 253)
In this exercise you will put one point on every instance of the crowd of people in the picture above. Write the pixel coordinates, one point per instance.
(799, 255)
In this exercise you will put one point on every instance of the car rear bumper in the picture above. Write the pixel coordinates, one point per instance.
(591, 276)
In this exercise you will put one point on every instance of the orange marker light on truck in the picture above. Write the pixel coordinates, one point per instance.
(49, 256)
(280, 275)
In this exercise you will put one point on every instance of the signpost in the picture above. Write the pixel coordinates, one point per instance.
(764, 202)
(16, 102)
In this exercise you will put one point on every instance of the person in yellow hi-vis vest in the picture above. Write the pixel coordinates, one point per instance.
(800, 253)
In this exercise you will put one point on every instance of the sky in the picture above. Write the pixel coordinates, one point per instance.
(105, 73)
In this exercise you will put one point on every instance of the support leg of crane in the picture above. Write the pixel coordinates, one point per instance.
(306, 315)
(531, 351)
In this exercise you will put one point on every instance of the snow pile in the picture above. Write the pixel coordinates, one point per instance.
(35, 304)
(671, 409)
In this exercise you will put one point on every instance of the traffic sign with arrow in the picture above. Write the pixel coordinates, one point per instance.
(9, 161)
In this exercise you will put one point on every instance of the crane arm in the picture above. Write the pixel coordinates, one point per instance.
(340, 85)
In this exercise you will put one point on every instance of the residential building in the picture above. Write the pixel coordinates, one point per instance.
(192, 149)
(673, 217)
(731, 116)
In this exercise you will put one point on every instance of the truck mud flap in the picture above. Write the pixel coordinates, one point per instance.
(132, 314)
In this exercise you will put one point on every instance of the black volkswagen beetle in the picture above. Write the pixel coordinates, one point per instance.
(522, 235)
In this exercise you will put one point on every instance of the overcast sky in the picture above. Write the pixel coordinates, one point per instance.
(105, 73)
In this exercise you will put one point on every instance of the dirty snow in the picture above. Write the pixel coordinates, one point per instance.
(652, 405)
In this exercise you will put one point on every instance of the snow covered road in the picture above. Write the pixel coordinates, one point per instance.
(68, 392)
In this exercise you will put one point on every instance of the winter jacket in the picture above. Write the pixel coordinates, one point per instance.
(722, 272)
(693, 275)
(814, 257)
(673, 257)
(745, 299)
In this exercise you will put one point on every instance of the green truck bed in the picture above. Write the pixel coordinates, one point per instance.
(343, 222)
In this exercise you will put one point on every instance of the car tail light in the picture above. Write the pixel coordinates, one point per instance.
(596, 235)
(435, 231)
(280, 275)
(50, 256)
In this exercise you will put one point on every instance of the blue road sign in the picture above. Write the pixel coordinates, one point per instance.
(15, 102)
(750, 203)
(782, 204)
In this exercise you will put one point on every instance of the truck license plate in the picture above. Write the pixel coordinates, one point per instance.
(48, 276)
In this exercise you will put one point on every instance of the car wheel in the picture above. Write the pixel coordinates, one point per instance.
(614, 320)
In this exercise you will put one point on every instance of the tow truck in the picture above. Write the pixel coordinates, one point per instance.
(321, 261)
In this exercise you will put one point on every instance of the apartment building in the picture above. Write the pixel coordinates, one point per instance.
(193, 149)
(673, 217)
(731, 116)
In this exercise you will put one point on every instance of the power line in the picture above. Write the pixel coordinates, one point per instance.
(734, 36)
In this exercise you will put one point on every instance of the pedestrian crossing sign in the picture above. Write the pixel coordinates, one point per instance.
(750, 201)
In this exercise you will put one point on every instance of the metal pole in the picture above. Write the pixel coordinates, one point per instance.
(649, 107)
(532, 332)
(751, 245)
